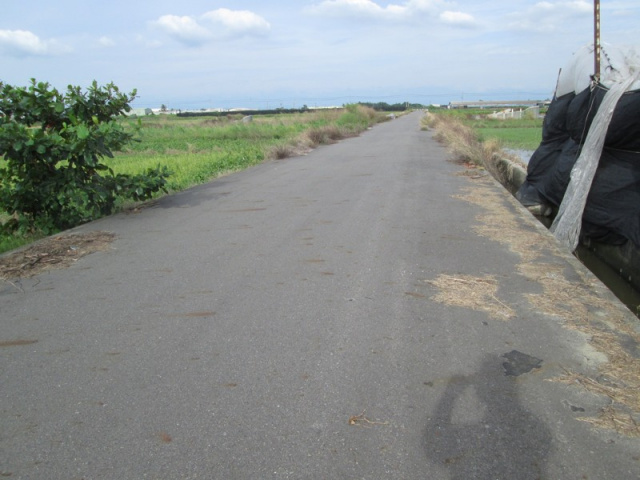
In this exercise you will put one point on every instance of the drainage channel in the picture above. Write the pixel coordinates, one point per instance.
(621, 288)
(612, 278)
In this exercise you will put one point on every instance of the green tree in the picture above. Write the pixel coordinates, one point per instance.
(53, 175)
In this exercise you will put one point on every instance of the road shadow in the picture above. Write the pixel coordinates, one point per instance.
(195, 196)
(480, 430)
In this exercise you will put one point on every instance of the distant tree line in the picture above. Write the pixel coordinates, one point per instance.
(379, 106)
(396, 107)
(244, 112)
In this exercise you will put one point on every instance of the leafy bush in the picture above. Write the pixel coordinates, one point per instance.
(53, 175)
(358, 117)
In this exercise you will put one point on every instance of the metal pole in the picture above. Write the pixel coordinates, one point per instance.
(596, 39)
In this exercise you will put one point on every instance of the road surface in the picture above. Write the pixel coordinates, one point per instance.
(306, 319)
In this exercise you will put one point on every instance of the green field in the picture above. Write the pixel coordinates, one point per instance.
(521, 138)
(197, 149)
(522, 134)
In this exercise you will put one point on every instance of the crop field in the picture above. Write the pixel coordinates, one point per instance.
(514, 136)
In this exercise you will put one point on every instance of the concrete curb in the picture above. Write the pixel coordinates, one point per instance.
(508, 173)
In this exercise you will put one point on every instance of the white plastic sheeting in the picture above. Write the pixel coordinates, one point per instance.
(616, 65)
(567, 224)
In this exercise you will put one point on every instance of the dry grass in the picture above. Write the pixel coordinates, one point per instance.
(476, 293)
(428, 121)
(58, 251)
(614, 419)
(579, 306)
(309, 140)
(497, 223)
(325, 135)
(461, 141)
(286, 150)
(362, 421)
(368, 112)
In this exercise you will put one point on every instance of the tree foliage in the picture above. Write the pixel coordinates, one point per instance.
(53, 175)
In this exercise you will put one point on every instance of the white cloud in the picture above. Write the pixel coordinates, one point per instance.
(410, 10)
(183, 29)
(550, 16)
(237, 22)
(355, 8)
(22, 43)
(458, 19)
(216, 24)
(426, 6)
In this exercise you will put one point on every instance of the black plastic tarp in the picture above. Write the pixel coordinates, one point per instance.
(612, 212)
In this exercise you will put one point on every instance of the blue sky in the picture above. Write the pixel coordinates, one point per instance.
(267, 54)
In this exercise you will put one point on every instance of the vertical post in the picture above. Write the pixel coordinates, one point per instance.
(596, 39)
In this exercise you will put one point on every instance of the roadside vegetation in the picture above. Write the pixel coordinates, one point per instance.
(190, 151)
(53, 145)
(198, 149)
(472, 137)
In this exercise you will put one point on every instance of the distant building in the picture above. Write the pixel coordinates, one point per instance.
(498, 104)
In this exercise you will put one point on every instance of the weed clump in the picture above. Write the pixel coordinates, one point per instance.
(461, 140)
(326, 134)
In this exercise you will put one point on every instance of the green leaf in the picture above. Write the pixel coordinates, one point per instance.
(82, 132)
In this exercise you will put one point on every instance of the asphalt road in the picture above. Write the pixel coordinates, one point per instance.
(282, 322)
